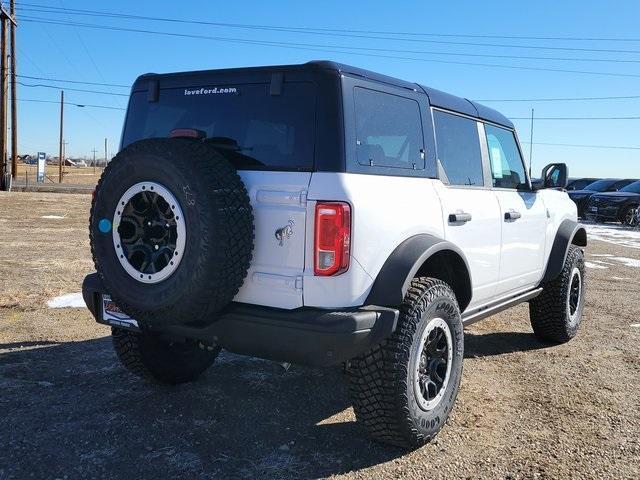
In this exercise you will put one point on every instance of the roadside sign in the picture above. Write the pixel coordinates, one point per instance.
(42, 156)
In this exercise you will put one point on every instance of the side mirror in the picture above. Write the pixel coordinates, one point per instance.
(555, 175)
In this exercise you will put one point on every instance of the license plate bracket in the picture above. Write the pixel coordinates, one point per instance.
(114, 316)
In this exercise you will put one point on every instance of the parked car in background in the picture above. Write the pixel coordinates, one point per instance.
(581, 197)
(617, 206)
(573, 184)
(579, 183)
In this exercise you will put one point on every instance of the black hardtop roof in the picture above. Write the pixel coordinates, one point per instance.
(437, 98)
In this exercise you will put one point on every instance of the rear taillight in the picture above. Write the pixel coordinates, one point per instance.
(332, 243)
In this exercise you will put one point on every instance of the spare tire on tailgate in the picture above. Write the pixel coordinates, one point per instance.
(171, 231)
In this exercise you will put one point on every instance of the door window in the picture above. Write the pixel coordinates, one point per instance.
(507, 169)
(458, 148)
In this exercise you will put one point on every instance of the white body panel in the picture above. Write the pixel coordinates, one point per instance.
(560, 208)
(275, 275)
(504, 257)
(523, 243)
(386, 210)
(479, 238)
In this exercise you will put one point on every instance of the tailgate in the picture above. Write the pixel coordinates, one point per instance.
(279, 209)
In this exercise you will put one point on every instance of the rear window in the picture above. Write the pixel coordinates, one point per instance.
(388, 130)
(256, 129)
(600, 185)
(632, 187)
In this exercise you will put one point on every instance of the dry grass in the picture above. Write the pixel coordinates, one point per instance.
(42, 257)
(71, 175)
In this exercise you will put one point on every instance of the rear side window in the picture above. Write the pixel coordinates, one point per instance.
(507, 169)
(458, 148)
(253, 128)
(388, 130)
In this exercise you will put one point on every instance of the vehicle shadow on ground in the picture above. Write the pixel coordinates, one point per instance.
(71, 409)
(498, 343)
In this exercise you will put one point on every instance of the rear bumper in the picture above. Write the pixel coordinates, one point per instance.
(306, 336)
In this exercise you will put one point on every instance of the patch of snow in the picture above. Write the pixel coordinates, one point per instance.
(600, 262)
(600, 255)
(629, 262)
(620, 278)
(594, 265)
(54, 217)
(70, 300)
(635, 325)
(618, 235)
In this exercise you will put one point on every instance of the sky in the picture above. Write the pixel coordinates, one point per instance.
(416, 41)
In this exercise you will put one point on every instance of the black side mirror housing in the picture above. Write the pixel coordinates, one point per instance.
(555, 175)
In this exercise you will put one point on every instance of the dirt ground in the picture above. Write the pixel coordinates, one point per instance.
(525, 410)
(27, 174)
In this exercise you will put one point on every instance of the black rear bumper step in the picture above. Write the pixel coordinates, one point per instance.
(308, 336)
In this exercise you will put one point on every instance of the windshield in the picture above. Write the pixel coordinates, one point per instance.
(632, 187)
(600, 185)
(253, 128)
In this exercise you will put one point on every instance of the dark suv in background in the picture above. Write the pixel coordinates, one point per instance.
(579, 183)
(581, 197)
(617, 206)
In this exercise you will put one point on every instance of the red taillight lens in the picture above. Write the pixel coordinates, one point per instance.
(332, 245)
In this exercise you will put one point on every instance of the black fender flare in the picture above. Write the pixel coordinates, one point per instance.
(394, 278)
(569, 232)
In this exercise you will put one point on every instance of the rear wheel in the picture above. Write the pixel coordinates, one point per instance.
(629, 217)
(404, 389)
(150, 357)
(556, 313)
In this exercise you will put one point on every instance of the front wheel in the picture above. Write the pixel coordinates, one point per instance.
(556, 313)
(404, 389)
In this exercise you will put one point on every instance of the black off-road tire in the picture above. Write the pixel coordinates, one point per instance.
(219, 231)
(552, 316)
(382, 380)
(148, 357)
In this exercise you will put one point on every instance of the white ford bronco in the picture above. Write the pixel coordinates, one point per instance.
(322, 214)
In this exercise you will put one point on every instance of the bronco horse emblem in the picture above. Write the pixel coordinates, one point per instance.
(284, 233)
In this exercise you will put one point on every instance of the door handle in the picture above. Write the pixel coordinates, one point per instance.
(460, 217)
(512, 215)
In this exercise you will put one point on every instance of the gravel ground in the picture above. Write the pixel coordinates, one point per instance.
(525, 410)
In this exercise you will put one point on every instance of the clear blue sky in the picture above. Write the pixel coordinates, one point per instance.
(117, 57)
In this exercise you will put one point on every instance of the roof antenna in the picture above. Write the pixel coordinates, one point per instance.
(531, 145)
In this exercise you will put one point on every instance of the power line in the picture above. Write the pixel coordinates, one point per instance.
(84, 45)
(322, 48)
(423, 52)
(73, 81)
(81, 105)
(565, 99)
(333, 31)
(72, 89)
(621, 147)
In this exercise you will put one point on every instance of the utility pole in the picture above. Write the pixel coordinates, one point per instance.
(14, 99)
(5, 17)
(105, 152)
(61, 161)
(94, 160)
